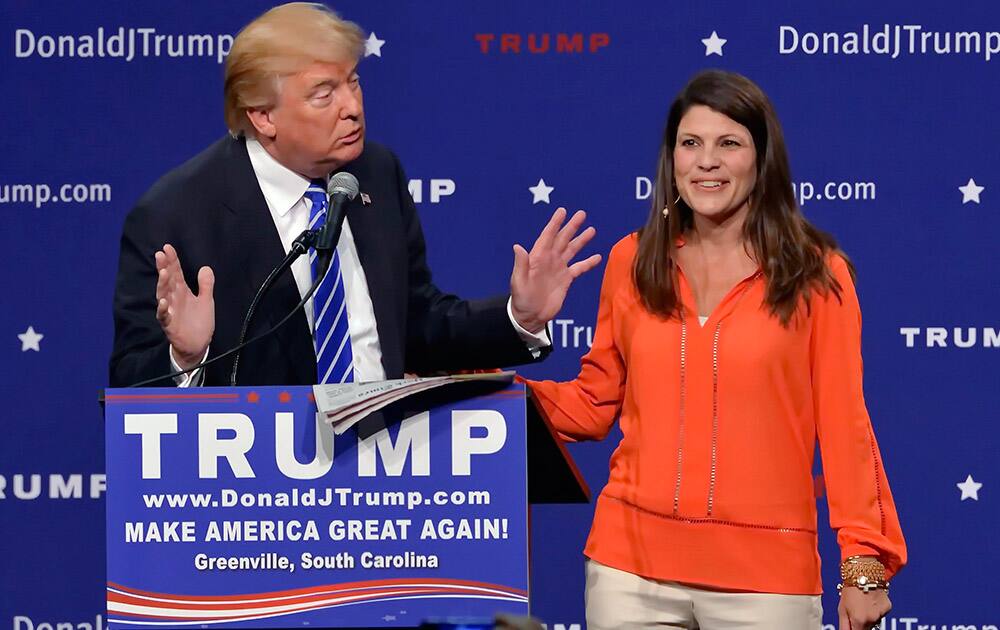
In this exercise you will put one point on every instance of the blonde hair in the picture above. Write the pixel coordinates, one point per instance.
(277, 44)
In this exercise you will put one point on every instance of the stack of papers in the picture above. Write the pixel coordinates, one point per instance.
(344, 405)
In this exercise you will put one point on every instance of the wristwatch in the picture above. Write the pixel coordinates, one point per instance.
(866, 573)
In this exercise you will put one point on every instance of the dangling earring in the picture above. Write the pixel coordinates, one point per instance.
(666, 209)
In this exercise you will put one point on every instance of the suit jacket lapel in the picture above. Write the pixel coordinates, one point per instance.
(256, 233)
(367, 226)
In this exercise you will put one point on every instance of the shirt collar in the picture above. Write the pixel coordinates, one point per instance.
(282, 187)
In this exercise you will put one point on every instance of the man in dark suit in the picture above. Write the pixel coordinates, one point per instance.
(294, 107)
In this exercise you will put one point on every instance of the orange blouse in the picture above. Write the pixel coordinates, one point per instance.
(712, 481)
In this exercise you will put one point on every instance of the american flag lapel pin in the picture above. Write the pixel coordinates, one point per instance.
(365, 199)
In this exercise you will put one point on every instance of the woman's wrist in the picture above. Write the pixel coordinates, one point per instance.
(866, 573)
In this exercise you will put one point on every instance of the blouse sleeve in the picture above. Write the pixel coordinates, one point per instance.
(586, 408)
(862, 511)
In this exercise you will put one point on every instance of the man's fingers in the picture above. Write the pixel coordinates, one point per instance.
(163, 312)
(520, 273)
(551, 228)
(168, 261)
(162, 283)
(169, 256)
(206, 282)
(579, 268)
(173, 264)
(578, 243)
(177, 282)
(569, 230)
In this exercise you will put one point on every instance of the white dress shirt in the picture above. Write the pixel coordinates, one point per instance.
(284, 192)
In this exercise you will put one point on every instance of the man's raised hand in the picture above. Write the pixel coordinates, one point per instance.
(188, 320)
(541, 277)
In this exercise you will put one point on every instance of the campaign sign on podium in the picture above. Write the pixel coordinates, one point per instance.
(238, 507)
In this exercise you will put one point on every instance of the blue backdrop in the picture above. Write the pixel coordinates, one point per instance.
(889, 115)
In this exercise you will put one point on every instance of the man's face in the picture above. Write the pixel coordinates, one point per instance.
(318, 124)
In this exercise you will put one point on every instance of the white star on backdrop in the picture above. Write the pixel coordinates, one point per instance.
(540, 192)
(373, 45)
(970, 192)
(970, 488)
(29, 340)
(714, 44)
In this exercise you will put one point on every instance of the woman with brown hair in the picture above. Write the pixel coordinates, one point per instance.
(728, 340)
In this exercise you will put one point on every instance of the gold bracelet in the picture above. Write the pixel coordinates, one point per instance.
(866, 573)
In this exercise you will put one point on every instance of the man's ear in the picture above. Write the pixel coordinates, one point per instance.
(262, 123)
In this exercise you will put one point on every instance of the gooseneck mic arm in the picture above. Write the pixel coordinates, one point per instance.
(341, 188)
(302, 302)
(299, 246)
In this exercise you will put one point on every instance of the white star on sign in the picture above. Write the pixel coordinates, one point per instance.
(970, 192)
(373, 45)
(29, 340)
(970, 488)
(540, 192)
(714, 44)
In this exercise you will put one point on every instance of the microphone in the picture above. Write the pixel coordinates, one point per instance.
(300, 246)
(341, 188)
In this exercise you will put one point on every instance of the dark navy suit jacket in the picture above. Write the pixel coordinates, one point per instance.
(212, 210)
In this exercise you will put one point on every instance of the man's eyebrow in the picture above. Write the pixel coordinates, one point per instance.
(333, 82)
(319, 86)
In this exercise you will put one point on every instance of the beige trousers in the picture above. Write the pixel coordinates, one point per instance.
(618, 599)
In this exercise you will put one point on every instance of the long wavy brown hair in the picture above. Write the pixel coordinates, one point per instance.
(791, 251)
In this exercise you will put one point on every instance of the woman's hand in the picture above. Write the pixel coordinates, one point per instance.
(862, 611)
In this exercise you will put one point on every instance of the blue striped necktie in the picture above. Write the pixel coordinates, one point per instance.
(331, 336)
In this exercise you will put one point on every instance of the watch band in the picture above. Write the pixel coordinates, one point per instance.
(866, 573)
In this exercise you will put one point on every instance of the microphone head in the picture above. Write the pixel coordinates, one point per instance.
(343, 183)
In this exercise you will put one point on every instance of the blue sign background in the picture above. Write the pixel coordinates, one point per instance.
(476, 575)
(919, 126)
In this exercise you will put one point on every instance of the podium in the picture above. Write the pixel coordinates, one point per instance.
(240, 507)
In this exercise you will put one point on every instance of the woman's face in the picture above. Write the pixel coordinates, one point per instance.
(715, 163)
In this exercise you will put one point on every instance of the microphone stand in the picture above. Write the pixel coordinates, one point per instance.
(323, 240)
(299, 246)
